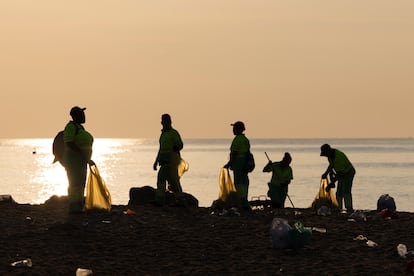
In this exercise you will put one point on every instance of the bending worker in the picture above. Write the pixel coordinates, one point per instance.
(281, 178)
(342, 171)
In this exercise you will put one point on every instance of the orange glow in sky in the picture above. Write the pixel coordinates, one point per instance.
(301, 68)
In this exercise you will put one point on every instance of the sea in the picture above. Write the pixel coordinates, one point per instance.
(383, 166)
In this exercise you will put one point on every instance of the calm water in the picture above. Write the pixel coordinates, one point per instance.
(383, 166)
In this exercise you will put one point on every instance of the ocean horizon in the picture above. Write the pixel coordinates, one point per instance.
(383, 165)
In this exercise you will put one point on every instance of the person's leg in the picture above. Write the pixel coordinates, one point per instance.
(242, 188)
(339, 194)
(245, 201)
(173, 177)
(161, 184)
(174, 181)
(241, 182)
(275, 192)
(76, 173)
(347, 191)
(272, 194)
(284, 192)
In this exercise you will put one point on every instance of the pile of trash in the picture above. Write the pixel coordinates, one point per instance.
(285, 236)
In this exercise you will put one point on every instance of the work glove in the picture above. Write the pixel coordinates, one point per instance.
(329, 187)
(332, 177)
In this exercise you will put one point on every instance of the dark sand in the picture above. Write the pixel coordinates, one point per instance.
(178, 241)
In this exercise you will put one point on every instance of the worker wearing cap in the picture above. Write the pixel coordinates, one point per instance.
(342, 171)
(168, 158)
(239, 148)
(77, 154)
(281, 178)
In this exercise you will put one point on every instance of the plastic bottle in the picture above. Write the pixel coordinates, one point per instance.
(402, 250)
(319, 229)
(22, 263)
(83, 272)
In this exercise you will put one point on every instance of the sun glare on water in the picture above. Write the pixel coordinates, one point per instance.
(47, 178)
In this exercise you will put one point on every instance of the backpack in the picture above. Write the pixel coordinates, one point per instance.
(386, 201)
(250, 164)
(58, 146)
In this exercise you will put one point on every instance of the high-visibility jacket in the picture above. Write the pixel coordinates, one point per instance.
(240, 144)
(170, 141)
(77, 134)
(340, 162)
(279, 175)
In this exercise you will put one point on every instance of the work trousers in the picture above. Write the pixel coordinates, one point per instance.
(344, 190)
(168, 173)
(76, 170)
(277, 194)
(241, 180)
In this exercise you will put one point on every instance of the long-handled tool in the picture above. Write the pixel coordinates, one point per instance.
(286, 194)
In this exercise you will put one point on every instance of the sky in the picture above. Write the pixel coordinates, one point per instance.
(287, 69)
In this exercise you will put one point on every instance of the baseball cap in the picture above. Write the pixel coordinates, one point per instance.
(238, 125)
(76, 110)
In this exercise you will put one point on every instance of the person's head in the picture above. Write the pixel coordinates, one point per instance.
(326, 150)
(166, 121)
(78, 114)
(238, 127)
(287, 159)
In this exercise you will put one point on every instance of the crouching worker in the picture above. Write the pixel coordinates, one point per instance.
(168, 158)
(281, 178)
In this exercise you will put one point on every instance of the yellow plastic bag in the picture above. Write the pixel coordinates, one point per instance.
(226, 185)
(97, 194)
(183, 167)
(324, 197)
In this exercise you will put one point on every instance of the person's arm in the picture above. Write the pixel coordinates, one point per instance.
(268, 167)
(232, 156)
(155, 165)
(178, 145)
(328, 170)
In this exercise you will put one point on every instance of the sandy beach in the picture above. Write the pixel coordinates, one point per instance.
(193, 241)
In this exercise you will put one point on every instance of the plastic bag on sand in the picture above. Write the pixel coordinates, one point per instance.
(299, 235)
(279, 231)
(386, 201)
(97, 194)
(285, 236)
(226, 185)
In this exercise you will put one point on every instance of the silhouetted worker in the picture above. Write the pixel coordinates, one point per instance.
(281, 178)
(77, 154)
(239, 148)
(341, 170)
(168, 158)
